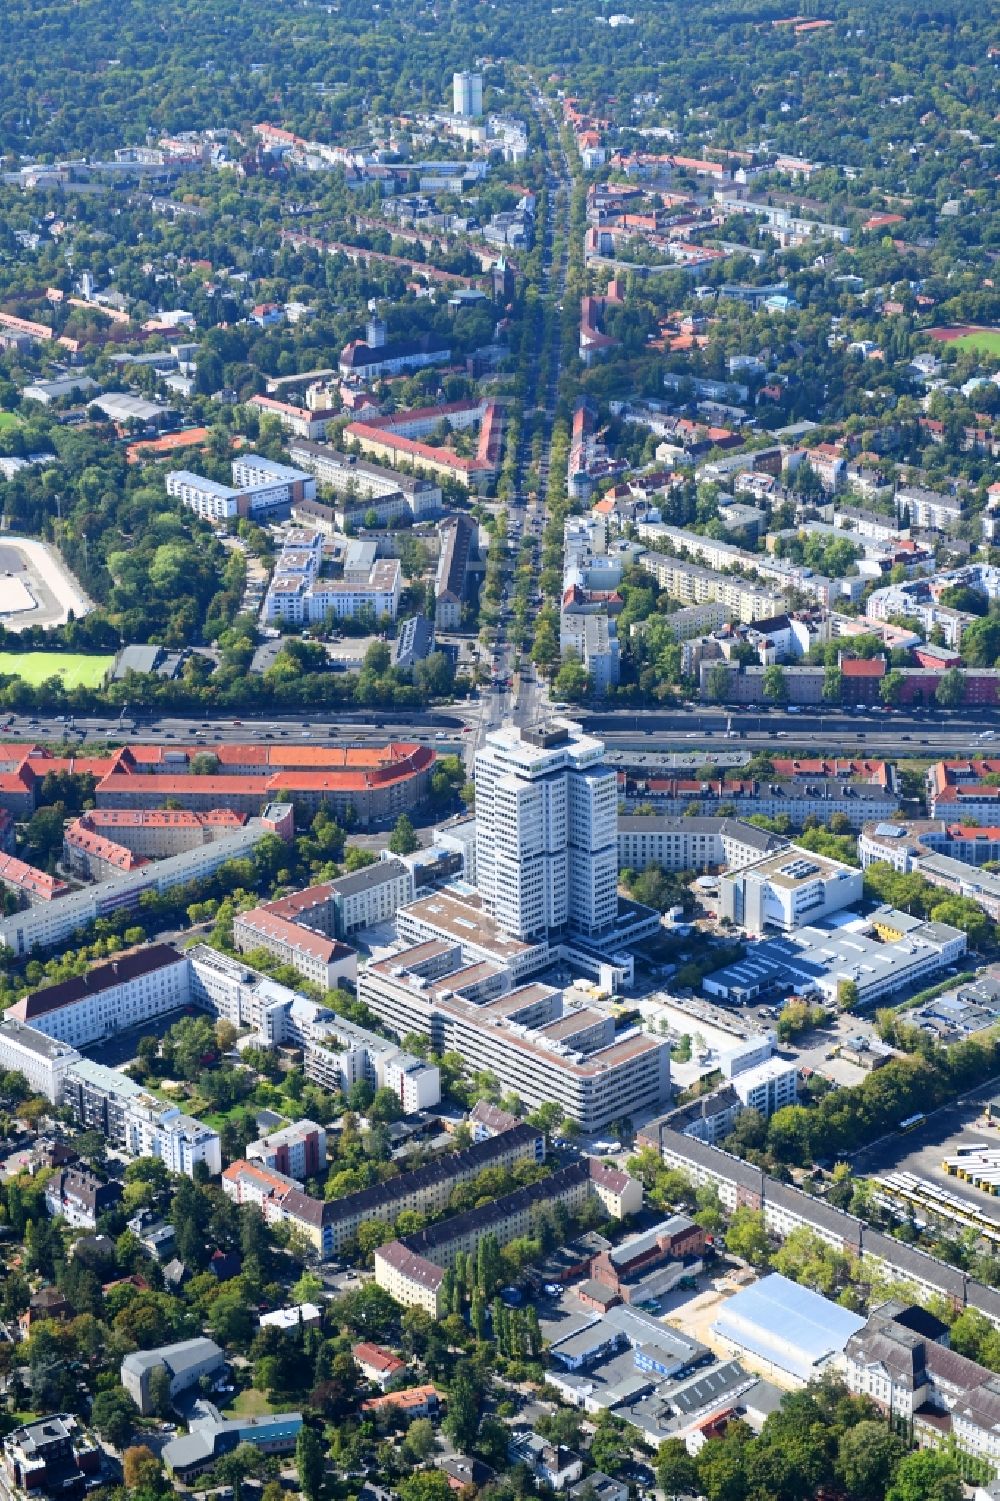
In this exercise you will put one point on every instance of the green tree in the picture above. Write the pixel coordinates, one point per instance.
(950, 691)
(832, 685)
(746, 1236)
(890, 689)
(420, 1442)
(385, 1106)
(464, 1405)
(113, 1414)
(847, 995)
(788, 1134)
(310, 1461)
(676, 1470)
(159, 1391)
(926, 1476)
(867, 1459)
(774, 684)
(717, 681)
(403, 839)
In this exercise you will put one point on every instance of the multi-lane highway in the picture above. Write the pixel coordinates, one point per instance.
(854, 731)
(427, 726)
(654, 735)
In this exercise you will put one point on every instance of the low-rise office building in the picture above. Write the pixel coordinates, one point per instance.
(518, 1032)
(185, 1363)
(788, 890)
(44, 1061)
(210, 1437)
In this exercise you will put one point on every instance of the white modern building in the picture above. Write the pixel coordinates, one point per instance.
(44, 1061)
(299, 592)
(523, 1034)
(179, 1141)
(767, 1087)
(546, 831)
(788, 890)
(468, 95)
(137, 985)
(259, 486)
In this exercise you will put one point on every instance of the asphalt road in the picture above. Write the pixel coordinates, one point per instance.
(427, 726)
(858, 731)
(656, 733)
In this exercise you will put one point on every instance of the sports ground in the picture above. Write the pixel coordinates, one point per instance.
(966, 336)
(76, 670)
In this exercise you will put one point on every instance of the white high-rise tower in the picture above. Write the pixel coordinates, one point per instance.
(468, 95)
(546, 830)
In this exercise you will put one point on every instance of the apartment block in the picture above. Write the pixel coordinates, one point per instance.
(694, 585)
(412, 1269)
(332, 1225)
(137, 1123)
(298, 1151)
(767, 1087)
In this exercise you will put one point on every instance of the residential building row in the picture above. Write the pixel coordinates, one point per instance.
(796, 799)
(786, 1208)
(331, 1226)
(52, 924)
(412, 1269)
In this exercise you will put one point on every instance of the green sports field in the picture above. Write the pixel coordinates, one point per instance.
(76, 671)
(984, 340)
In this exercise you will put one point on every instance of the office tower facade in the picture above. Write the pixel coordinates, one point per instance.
(546, 831)
(468, 90)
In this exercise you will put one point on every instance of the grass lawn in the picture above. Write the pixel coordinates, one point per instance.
(249, 1404)
(75, 669)
(9, 419)
(985, 340)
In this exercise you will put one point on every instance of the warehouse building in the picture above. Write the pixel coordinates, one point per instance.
(797, 1334)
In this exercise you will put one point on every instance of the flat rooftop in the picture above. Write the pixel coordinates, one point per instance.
(466, 922)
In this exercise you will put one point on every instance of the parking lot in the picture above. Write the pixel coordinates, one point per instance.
(812, 1050)
(922, 1150)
